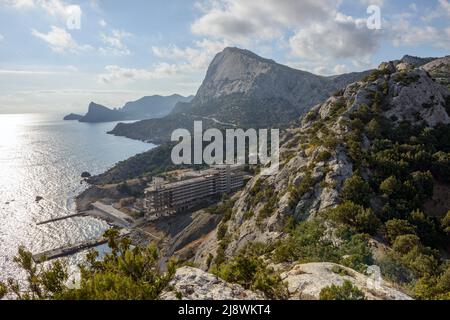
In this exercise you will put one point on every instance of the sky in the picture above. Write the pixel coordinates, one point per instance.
(59, 55)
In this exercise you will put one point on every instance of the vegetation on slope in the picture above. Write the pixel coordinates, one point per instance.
(396, 168)
(124, 274)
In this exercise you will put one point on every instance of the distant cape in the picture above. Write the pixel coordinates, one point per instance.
(149, 107)
(73, 116)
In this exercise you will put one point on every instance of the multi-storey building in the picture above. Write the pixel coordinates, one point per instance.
(164, 197)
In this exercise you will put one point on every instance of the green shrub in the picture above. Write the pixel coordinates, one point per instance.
(222, 231)
(357, 190)
(345, 292)
(434, 287)
(359, 218)
(445, 223)
(124, 274)
(252, 273)
(390, 186)
(323, 156)
(395, 270)
(441, 166)
(397, 227)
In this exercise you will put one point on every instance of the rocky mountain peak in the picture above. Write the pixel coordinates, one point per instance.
(237, 72)
(95, 106)
(233, 70)
(416, 61)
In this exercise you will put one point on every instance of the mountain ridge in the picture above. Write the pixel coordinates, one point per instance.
(246, 90)
(155, 106)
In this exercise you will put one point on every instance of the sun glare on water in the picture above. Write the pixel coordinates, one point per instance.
(9, 128)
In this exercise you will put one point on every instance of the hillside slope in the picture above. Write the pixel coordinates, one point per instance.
(357, 178)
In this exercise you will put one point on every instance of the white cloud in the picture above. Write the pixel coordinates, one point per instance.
(102, 23)
(379, 3)
(67, 70)
(60, 40)
(405, 33)
(445, 5)
(313, 30)
(191, 59)
(244, 20)
(442, 9)
(341, 38)
(177, 63)
(18, 4)
(119, 75)
(413, 7)
(1, 37)
(114, 43)
(56, 8)
(341, 69)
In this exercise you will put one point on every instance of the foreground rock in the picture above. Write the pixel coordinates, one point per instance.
(195, 284)
(305, 282)
(85, 175)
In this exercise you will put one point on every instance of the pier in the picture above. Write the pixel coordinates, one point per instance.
(72, 249)
(61, 218)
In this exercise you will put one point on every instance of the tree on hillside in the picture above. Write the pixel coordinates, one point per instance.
(357, 190)
(124, 274)
(362, 220)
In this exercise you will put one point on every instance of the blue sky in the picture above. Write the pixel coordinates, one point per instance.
(123, 50)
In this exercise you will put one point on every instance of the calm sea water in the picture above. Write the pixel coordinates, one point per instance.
(41, 155)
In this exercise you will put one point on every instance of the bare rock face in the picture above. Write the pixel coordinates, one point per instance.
(237, 71)
(439, 70)
(240, 73)
(416, 97)
(195, 284)
(305, 281)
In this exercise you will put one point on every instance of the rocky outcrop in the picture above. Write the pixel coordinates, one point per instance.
(439, 70)
(237, 71)
(305, 281)
(72, 117)
(417, 98)
(195, 284)
(416, 61)
(99, 113)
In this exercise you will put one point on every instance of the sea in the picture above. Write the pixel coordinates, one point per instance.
(43, 156)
